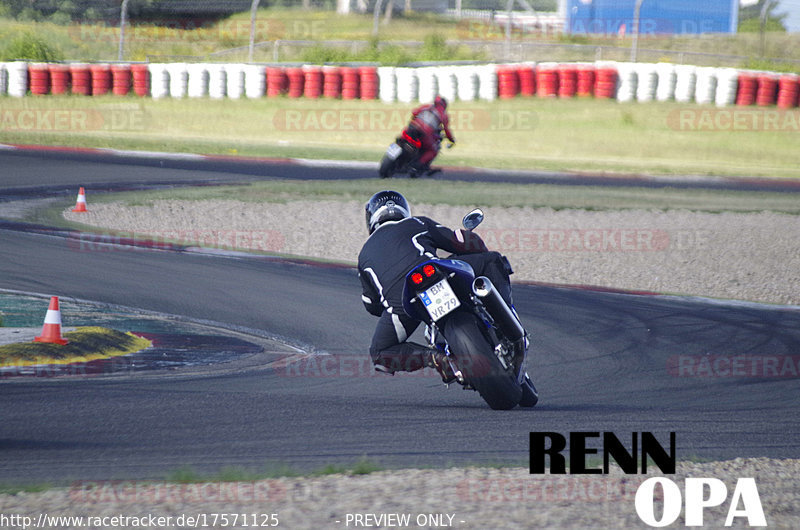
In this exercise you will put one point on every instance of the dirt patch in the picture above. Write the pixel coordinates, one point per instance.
(461, 498)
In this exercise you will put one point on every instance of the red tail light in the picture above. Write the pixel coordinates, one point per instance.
(412, 141)
(428, 270)
(416, 278)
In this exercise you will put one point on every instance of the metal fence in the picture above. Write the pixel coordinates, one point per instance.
(492, 50)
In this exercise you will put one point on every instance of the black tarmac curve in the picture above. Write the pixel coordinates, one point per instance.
(601, 361)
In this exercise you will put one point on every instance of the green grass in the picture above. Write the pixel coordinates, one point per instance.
(14, 489)
(200, 38)
(533, 134)
(188, 475)
(468, 194)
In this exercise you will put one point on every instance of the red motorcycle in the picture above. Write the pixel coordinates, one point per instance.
(402, 156)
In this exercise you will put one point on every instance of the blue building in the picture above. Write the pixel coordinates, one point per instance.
(656, 16)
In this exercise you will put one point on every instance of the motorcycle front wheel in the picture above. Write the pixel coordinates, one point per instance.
(474, 355)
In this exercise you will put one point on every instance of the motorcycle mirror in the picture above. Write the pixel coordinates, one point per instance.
(473, 219)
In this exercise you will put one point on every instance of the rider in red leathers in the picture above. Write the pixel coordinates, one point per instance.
(430, 120)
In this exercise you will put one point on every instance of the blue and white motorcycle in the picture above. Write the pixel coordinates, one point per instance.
(469, 321)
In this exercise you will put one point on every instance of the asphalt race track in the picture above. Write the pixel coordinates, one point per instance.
(602, 362)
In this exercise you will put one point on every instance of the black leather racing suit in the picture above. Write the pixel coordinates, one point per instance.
(388, 255)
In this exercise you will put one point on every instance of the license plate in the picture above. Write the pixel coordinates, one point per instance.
(439, 300)
(394, 151)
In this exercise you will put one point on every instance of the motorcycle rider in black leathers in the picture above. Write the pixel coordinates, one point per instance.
(397, 243)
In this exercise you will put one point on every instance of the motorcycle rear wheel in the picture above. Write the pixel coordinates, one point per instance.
(475, 357)
(387, 167)
(530, 397)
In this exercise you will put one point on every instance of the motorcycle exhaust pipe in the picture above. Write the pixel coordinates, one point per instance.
(504, 318)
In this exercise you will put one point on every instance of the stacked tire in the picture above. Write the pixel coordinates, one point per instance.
(747, 89)
(332, 82)
(586, 80)
(39, 79)
(767, 89)
(646, 82)
(178, 80)
(407, 85)
(197, 86)
(387, 81)
(3, 79)
(428, 84)
(547, 80)
(706, 85)
(255, 83)
(487, 82)
(81, 78)
(234, 80)
(788, 90)
(685, 83)
(667, 80)
(368, 82)
(567, 80)
(467, 81)
(507, 82)
(159, 80)
(351, 81)
(447, 83)
(217, 81)
(277, 82)
(102, 82)
(141, 79)
(727, 84)
(312, 81)
(296, 82)
(121, 77)
(626, 87)
(527, 79)
(605, 85)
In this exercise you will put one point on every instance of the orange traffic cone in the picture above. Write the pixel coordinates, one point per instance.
(80, 206)
(51, 332)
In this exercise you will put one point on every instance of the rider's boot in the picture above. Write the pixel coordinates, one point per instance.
(404, 357)
(440, 361)
(410, 357)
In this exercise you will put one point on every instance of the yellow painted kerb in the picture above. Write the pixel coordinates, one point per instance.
(85, 344)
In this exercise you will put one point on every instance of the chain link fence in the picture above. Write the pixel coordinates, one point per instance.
(495, 50)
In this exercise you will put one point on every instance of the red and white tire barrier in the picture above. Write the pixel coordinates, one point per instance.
(623, 81)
